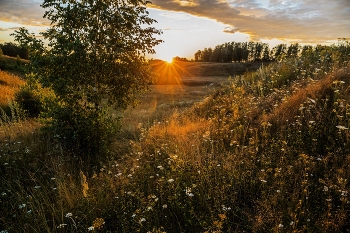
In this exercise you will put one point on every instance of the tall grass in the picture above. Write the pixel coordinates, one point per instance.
(269, 152)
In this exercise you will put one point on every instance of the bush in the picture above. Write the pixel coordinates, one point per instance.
(34, 99)
(30, 101)
(83, 131)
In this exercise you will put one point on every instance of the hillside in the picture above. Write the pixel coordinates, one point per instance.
(268, 151)
(15, 66)
(9, 84)
(181, 72)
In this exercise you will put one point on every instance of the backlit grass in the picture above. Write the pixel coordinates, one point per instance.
(266, 152)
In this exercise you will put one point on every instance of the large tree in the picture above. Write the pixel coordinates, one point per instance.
(92, 57)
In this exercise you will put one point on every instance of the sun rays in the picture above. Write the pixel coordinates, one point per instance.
(168, 73)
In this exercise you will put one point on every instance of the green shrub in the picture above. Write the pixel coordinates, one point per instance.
(83, 131)
(30, 101)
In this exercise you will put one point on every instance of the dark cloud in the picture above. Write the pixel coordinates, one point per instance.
(303, 21)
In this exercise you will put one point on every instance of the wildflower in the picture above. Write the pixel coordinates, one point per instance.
(3, 194)
(280, 225)
(37, 187)
(142, 220)
(98, 223)
(160, 167)
(340, 127)
(62, 225)
(29, 211)
(291, 223)
(68, 215)
(264, 181)
(165, 206)
(313, 101)
(22, 206)
(91, 228)
(189, 192)
(325, 188)
(133, 216)
(171, 180)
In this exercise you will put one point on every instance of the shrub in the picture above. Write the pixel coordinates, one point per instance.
(83, 131)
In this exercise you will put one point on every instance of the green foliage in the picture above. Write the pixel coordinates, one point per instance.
(85, 133)
(13, 50)
(33, 99)
(95, 61)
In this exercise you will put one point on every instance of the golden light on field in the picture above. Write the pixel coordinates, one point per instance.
(168, 73)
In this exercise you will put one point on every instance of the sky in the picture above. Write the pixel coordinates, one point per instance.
(192, 25)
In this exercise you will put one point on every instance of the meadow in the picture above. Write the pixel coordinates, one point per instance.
(263, 151)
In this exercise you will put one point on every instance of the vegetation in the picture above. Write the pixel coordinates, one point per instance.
(13, 50)
(267, 152)
(257, 51)
(94, 62)
(13, 65)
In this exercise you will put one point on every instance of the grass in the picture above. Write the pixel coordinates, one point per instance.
(9, 85)
(16, 66)
(268, 151)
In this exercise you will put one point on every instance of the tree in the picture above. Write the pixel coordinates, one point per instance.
(95, 60)
(198, 56)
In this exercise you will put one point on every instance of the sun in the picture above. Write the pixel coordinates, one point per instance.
(168, 59)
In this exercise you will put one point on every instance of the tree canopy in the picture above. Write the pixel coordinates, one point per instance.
(92, 56)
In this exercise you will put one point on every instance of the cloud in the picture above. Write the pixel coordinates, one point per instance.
(301, 21)
(26, 12)
(229, 30)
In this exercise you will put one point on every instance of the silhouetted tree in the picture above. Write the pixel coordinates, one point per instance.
(13, 50)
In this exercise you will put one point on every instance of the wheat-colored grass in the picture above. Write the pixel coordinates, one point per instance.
(9, 84)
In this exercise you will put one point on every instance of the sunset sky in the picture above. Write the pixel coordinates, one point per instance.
(190, 25)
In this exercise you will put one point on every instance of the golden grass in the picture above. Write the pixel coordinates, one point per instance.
(315, 90)
(9, 84)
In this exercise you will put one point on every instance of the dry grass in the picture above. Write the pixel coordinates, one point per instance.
(9, 84)
(321, 89)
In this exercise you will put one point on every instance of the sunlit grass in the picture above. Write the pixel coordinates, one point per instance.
(9, 84)
(266, 152)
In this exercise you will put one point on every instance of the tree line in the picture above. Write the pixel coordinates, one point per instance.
(258, 51)
(14, 50)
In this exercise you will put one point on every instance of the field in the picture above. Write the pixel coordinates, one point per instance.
(260, 151)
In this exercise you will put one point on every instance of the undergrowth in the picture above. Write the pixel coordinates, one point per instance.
(268, 152)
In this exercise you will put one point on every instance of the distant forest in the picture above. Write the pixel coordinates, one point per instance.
(257, 51)
(228, 52)
(13, 50)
